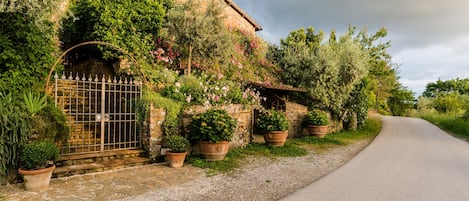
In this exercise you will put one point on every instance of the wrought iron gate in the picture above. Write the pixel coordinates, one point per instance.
(102, 112)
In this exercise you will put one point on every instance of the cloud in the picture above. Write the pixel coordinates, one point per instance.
(429, 38)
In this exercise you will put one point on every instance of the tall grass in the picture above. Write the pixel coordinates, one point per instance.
(451, 123)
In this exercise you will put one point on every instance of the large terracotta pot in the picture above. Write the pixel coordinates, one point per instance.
(176, 160)
(214, 151)
(317, 131)
(37, 180)
(276, 138)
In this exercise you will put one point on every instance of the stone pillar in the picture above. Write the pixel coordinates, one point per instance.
(154, 135)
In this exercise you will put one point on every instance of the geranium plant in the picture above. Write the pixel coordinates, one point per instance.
(214, 125)
(272, 120)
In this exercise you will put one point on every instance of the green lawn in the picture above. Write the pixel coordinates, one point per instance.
(292, 148)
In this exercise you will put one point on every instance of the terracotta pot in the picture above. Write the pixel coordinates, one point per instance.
(176, 160)
(37, 180)
(214, 151)
(317, 131)
(276, 138)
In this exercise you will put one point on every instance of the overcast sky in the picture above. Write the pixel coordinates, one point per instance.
(429, 38)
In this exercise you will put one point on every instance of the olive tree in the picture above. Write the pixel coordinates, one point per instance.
(199, 33)
(329, 69)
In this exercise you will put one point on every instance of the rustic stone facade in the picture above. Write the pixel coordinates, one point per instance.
(241, 113)
(235, 17)
(295, 113)
(152, 134)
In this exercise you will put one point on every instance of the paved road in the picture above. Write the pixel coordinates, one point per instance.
(409, 160)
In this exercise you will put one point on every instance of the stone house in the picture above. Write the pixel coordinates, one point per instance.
(96, 130)
(235, 17)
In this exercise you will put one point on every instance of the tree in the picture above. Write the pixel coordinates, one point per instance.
(27, 49)
(29, 7)
(382, 77)
(199, 33)
(453, 102)
(330, 69)
(130, 25)
(457, 85)
(401, 100)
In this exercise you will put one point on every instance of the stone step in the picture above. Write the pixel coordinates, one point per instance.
(99, 166)
(69, 165)
(102, 155)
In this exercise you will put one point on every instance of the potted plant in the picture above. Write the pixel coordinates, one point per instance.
(177, 150)
(316, 122)
(37, 164)
(275, 126)
(212, 130)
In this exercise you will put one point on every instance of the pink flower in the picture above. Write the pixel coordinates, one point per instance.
(160, 51)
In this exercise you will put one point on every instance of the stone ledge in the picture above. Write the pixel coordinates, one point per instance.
(100, 166)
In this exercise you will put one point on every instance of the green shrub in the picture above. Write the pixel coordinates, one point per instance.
(51, 124)
(176, 143)
(131, 25)
(15, 129)
(34, 102)
(26, 51)
(38, 155)
(272, 120)
(214, 125)
(316, 118)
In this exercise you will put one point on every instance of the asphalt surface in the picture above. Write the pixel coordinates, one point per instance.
(409, 160)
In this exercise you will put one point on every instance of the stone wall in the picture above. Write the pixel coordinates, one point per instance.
(334, 125)
(232, 17)
(242, 114)
(152, 133)
(235, 20)
(295, 113)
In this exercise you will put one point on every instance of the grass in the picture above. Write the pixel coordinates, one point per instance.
(292, 148)
(453, 124)
(369, 130)
(234, 156)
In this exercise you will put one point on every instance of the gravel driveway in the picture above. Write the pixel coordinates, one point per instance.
(260, 178)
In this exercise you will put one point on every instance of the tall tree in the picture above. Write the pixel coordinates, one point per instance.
(330, 69)
(199, 33)
(382, 77)
(131, 25)
(457, 85)
(27, 45)
(401, 100)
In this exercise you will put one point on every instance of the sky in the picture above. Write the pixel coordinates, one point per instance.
(429, 38)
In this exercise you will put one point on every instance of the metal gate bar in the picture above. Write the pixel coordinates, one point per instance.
(102, 113)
